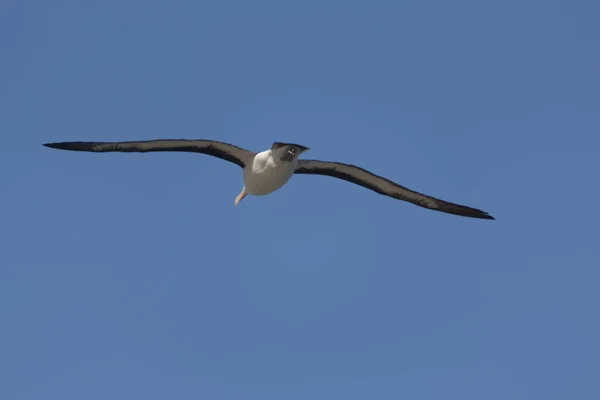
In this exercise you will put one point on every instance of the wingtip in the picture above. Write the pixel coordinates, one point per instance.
(474, 213)
(52, 145)
(482, 215)
(65, 145)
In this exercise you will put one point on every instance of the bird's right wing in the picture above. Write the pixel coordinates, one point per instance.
(369, 180)
(214, 148)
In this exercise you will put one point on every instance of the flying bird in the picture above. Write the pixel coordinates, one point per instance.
(269, 170)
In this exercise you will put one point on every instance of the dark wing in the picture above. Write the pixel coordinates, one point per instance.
(221, 150)
(385, 187)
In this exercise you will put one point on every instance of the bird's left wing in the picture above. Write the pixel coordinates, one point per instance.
(362, 177)
(214, 148)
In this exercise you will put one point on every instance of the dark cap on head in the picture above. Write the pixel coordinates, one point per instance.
(277, 145)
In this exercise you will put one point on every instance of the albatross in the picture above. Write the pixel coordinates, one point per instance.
(266, 171)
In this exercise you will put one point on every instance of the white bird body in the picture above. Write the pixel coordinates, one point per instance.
(268, 172)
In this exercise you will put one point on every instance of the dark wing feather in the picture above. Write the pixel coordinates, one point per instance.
(362, 177)
(221, 150)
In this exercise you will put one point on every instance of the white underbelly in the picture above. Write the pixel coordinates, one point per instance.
(263, 181)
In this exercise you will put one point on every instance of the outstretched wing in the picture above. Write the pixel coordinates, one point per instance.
(213, 148)
(362, 177)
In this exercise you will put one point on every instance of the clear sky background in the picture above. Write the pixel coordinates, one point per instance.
(133, 276)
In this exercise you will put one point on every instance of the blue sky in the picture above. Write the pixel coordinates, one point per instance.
(133, 275)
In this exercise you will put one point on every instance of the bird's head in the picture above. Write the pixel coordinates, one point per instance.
(289, 151)
(298, 148)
